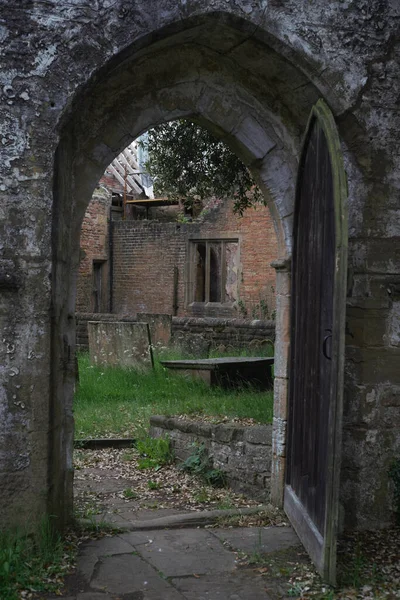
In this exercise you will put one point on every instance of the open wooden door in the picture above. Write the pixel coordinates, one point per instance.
(319, 271)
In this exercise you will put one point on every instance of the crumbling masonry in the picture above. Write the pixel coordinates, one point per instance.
(79, 81)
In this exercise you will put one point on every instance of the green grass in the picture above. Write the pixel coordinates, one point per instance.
(120, 401)
(34, 562)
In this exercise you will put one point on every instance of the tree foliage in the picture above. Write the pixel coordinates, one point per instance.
(188, 163)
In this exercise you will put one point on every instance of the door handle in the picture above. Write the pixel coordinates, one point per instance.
(325, 344)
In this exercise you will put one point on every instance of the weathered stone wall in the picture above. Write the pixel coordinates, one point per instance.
(218, 333)
(243, 453)
(223, 334)
(81, 80)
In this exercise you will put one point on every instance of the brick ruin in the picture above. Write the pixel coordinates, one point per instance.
(80, 81)
(131, 265)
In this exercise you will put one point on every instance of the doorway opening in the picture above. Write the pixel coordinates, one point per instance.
(217, 263)
(262, 121)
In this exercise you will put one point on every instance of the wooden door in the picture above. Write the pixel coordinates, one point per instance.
(319, 270)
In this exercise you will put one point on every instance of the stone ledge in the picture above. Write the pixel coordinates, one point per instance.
(212, 322)
(242, 452)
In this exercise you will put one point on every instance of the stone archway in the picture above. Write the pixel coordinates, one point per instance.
(80, 82)
(172, 79)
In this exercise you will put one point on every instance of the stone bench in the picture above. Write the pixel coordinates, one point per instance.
(229, 372)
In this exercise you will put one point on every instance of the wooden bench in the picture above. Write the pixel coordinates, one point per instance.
(230, 372)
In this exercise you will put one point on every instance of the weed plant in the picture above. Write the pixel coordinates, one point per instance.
(154, 452)
(116, 401)
(30, 561)
(199, 463)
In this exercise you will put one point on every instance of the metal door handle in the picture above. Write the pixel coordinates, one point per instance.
(325, 344)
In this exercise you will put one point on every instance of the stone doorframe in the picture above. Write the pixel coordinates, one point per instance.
(281, 381)
(267, 145)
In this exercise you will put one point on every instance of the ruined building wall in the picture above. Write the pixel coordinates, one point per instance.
(149, 257)
(92, 290)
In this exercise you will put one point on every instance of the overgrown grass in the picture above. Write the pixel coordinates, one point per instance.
(115, 401)
(34, 562)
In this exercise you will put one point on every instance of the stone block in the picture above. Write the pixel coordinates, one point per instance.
(281, 358)
(391, 397)
(120, 344)
(369, 366)
(282, 283)
(201, 429)
(278, 480)
(239, 464)
(281, 397)
(186, 551)
(129, 574)
(220, 452)
(394, 324)
(227, 433)
(160, 328)
(283, 318)
(193, 345)
(257, 452)
(261, 464)
(279, 437)
(259, 434)
(367, 327)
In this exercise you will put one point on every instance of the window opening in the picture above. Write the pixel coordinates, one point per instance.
(214, 267)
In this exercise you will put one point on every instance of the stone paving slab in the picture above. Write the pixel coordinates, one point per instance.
(138, 538)
(93, 596)
(187, 551)
(130, 574)
(108, 546)
(258, 539)
(235, 586)
(177, 564)
(86, 565)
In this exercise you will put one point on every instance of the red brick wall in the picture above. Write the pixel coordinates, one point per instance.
(94, 247)
(146, 253)
(258, 248)
(144, 256)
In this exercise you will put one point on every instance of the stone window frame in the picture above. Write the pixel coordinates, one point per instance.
(229, 237)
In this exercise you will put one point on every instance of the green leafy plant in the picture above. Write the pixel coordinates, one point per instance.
(33, 561)
(202, 495)
(295, 590)
(154, 485)
(130, 494)
(394, 474)
(155, 453)
(353, 573)
(199, 463)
